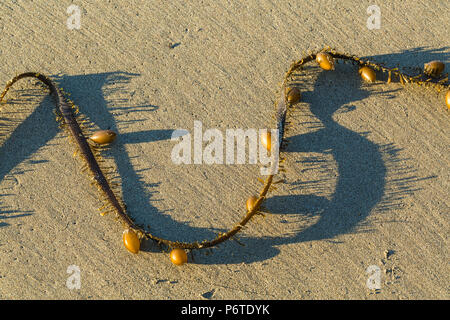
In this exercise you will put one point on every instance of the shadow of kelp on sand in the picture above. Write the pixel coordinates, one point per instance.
(361, 186)
(371, 179)
(139, 195)
(89, 92)
(92, 93)
(21, 136)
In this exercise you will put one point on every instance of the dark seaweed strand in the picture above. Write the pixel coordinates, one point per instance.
(66, 111)
(394, 73)
(70, 121)
(281, 109)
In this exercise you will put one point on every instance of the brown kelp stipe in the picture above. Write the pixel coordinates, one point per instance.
(326, 59)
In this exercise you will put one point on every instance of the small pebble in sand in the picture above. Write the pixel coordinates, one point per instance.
(388, 253)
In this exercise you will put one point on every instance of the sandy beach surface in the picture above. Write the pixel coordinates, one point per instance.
(367, 170)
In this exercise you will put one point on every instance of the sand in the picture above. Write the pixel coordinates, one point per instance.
(367, 179)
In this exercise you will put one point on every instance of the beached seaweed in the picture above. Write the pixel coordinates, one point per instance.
(67, 115)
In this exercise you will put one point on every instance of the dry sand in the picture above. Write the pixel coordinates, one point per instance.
(368, 165)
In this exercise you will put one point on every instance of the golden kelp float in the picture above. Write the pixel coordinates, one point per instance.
(434, 68)
(251, 203)
(266, 140)
(103, 136)
(325, 61)
(367, 74)
(447, 99)
(131, 241)
(294, 95)
(178, 256)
